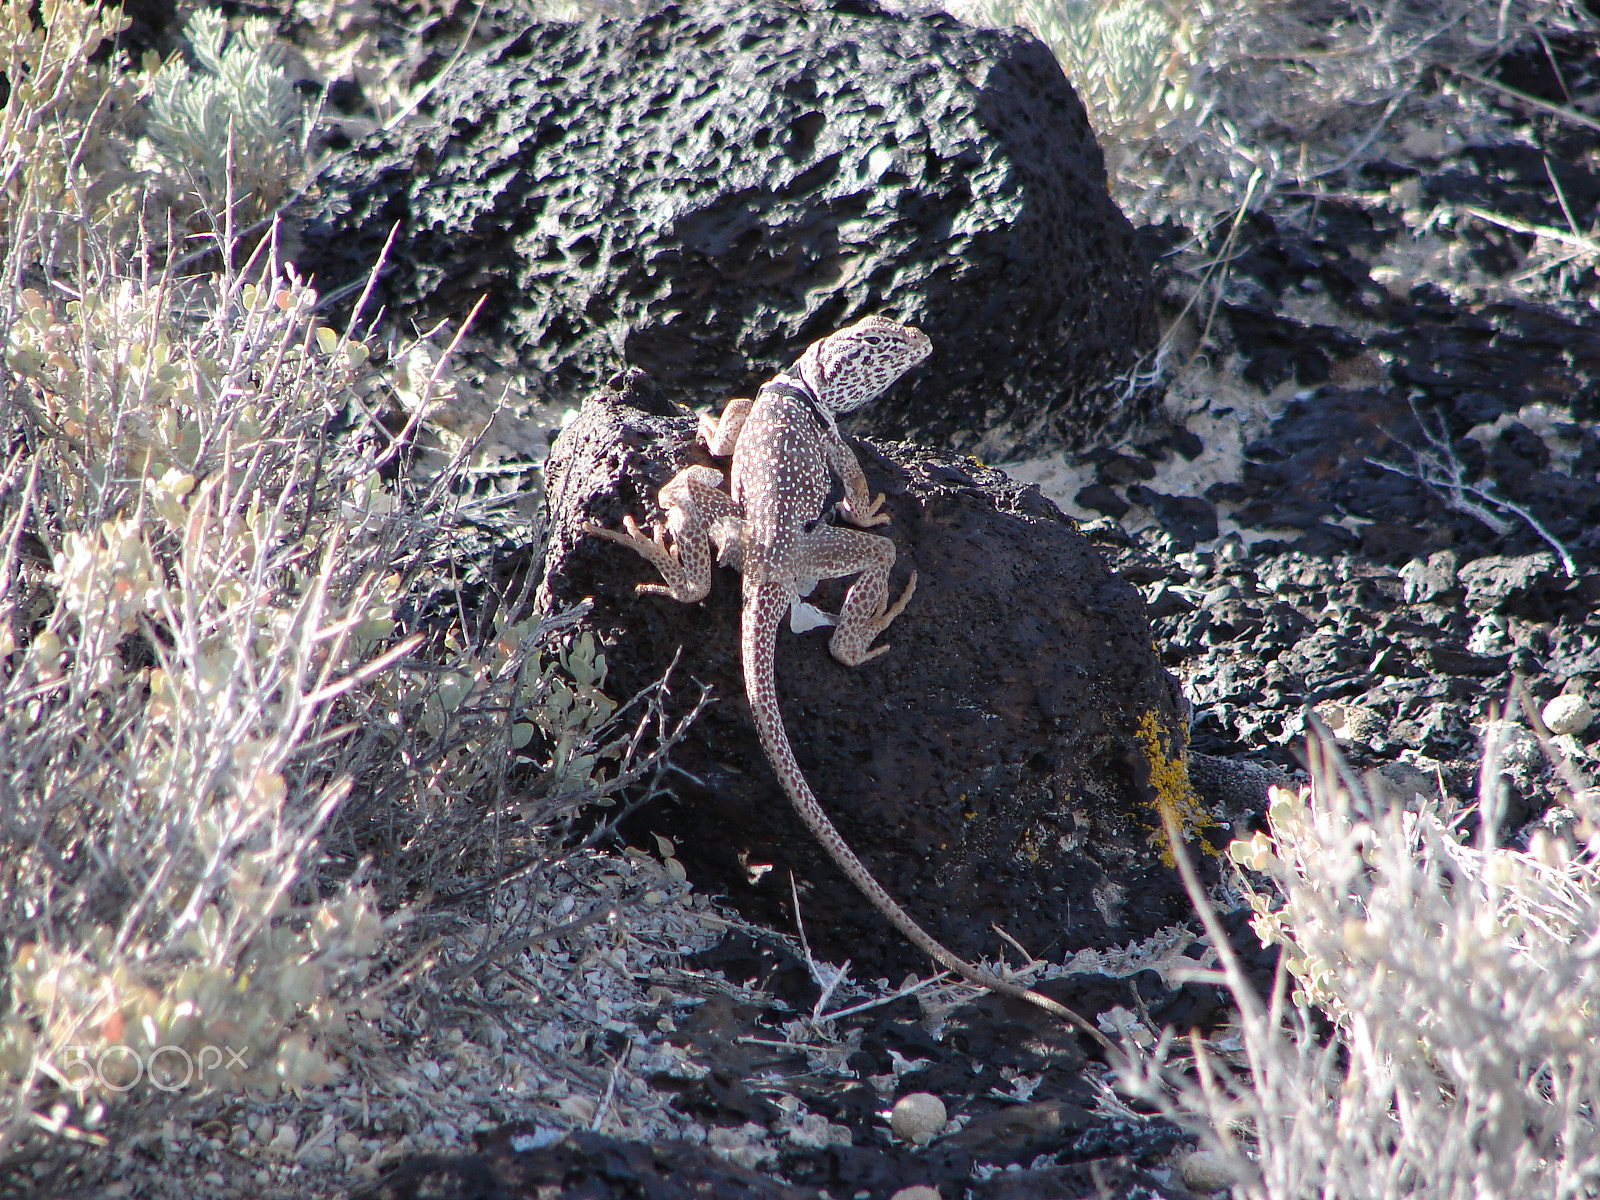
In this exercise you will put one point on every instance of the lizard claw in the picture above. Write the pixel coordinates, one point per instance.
(869, 516)
(899, 605)
(652, 546)
(657, 534)
(869, 655)
(850, 641)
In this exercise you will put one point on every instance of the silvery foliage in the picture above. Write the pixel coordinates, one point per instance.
(238, 86)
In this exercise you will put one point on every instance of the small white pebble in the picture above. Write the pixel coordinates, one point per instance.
(1206, 1171)
(283, 1141)
(918, 1118)
(1570, 713)
(1332, 714)
(920, 1192)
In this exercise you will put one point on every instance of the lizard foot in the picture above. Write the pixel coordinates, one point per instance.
(652, 546)
(849, 642)
(686, 581)
(869, 516)
(899, 606)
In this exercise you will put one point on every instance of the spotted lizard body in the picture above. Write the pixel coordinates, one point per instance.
(786, 445)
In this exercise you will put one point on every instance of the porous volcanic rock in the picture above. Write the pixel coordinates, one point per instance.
(523, 1162)
(704, 191)
(998, 767)
(513, 1163)
(1418, 527)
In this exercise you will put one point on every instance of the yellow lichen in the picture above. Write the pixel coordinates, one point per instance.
(1169, 778)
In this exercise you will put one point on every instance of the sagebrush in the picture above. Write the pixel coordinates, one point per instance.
(1460, 979)
(218, 625)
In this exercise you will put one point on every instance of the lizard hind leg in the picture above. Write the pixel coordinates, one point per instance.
(832, 552)
(852, 636)
(698, 512)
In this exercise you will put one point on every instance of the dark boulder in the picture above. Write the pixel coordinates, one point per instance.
(703, 192)
(524, 1162)
(998, 767)
(530, 1162)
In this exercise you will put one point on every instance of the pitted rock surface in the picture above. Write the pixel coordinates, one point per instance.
(987, 769)
(522, 1163)
(514, 1163)
(702, 193)
(1430, 499)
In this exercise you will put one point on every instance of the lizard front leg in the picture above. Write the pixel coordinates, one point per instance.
(832, 552)
(859, 506)
(722, 434)
(701, 519)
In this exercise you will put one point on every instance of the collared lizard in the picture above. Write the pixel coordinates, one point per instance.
(785, 445)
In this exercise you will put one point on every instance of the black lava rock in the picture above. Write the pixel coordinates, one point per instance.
(1004, 751)
(705, 190)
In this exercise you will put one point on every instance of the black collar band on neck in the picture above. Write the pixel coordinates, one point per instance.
(795, 388)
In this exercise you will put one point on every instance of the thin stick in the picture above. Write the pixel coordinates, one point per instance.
(1588, 245)
(1565, 114)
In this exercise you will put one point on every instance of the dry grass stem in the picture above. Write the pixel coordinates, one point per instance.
(1459, 980)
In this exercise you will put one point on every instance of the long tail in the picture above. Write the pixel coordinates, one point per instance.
(764, 607)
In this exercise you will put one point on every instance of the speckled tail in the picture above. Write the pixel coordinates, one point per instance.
(764, 608)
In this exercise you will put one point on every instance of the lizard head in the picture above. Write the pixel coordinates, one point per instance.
(858, 363)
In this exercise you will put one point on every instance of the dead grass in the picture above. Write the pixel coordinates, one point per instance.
(1199, 103)
(242, 708)
(1459, 979)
